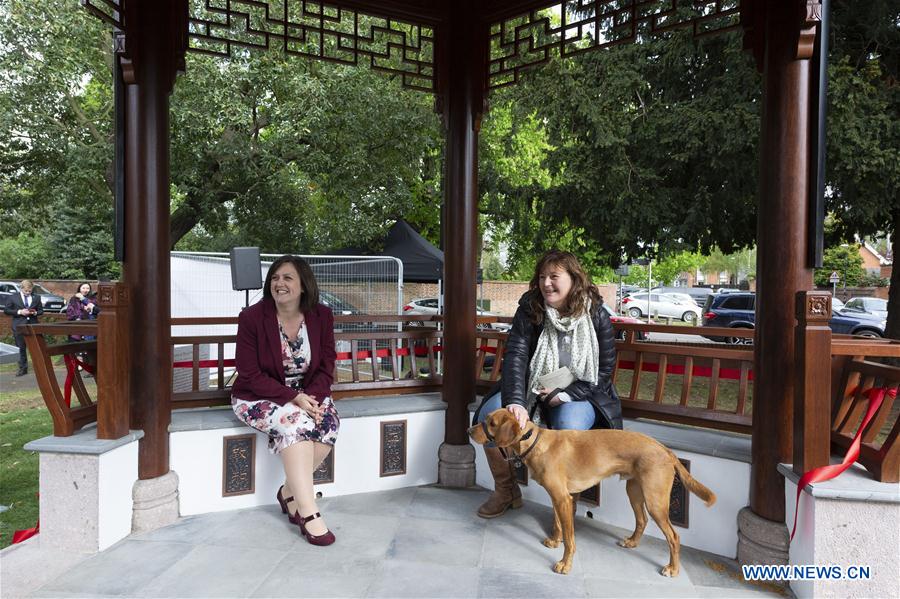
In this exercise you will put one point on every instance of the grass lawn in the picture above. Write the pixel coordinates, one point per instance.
(23, 418)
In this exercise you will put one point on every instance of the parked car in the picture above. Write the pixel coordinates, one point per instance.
(698, 294)
(732, 310)
(661, 304)
(337, 304)
(738, 310)
(836, 304)
(429, 305)
(50, 301)
(641, 335)
(871, 305)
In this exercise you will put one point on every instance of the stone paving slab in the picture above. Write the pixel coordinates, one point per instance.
(421, 542)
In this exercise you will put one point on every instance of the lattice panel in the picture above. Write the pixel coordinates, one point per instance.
(316, 30)
(576, 26)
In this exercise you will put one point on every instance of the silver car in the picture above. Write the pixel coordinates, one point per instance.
(871, 305)
(429, 305)
(660, 304)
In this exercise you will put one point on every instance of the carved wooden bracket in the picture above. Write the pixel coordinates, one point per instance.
(809, 26)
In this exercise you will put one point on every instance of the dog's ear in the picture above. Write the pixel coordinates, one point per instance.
(506, 429)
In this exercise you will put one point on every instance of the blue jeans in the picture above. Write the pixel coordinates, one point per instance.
(573, 415)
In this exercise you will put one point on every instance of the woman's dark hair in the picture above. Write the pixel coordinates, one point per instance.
(90, 287)
(582, 287)
(309, 296)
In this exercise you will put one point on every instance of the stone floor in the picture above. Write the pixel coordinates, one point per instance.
(417, 542)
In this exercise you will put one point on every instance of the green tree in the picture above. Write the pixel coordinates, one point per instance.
(268, 150)
(668, 269)
(845, 260)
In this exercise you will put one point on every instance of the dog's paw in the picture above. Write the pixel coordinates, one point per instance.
(551, 543)
(627, 543)
(670, 571)
(561, 567)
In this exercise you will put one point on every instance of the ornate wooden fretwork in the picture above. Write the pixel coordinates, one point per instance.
(577, 26)
(315, 30)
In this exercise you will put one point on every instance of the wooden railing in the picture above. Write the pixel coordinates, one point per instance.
(694, 383)
(712, 387)
(66, 419)
(835, 373)
(107, 356)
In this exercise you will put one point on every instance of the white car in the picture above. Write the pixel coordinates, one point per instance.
(684, 298)
(661, 304)
(871, 305)
(429, 305)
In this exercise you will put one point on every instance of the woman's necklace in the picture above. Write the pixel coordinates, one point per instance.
(291, 325)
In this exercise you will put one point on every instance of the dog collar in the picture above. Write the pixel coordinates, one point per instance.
(514, 457)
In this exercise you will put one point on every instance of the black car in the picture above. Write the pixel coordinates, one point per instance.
(738, 311)
(50, 301)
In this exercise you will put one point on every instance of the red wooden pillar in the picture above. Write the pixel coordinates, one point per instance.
(462, 95)
(154, 51)
(781, 243)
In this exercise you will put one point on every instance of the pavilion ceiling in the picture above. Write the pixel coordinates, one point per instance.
(399, 36)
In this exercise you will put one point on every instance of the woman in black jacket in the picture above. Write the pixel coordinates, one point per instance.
(560, 322)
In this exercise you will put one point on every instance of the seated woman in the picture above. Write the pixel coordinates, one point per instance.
(560, 322)
(285, 364)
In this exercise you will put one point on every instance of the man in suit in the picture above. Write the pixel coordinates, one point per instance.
(24, 307)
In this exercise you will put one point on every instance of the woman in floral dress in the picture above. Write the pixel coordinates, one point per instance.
(285, 363)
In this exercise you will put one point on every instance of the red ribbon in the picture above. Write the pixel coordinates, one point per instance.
(24, 535)
(72, 362)
(823, 473)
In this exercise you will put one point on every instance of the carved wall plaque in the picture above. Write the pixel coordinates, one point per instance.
(393, 447)
(679, 500)
(325, 472)
(238, 458)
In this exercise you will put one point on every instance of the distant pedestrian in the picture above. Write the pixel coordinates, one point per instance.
(24, 307)
(82, 306)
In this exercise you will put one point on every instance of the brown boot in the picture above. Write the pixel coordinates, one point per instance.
(507, 494)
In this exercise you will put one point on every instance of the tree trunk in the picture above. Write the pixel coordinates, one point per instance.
(892, 329)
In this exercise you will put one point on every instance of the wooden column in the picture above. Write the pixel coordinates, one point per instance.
(812, 393)
(112, 369)
(781, 246)
(154, 50)
(462, 97)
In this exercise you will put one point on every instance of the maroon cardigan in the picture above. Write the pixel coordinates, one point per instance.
(258, 355)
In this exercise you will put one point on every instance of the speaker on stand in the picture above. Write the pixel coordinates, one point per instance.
(246, 271)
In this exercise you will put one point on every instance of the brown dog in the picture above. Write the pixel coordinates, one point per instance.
(568, 461)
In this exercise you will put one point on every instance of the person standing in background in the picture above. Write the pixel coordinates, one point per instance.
(24, 307)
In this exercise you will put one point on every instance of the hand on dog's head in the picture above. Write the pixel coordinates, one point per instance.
(501, 425)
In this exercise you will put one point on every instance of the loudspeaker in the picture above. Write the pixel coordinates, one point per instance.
(246, 271)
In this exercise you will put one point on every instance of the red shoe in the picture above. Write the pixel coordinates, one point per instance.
(283, 501)
(322, 540)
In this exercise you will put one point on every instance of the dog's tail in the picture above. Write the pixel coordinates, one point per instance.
(693, 485)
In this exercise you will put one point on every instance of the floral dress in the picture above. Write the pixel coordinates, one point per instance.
(289, 424)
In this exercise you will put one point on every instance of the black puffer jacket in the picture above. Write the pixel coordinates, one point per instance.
(520, 347)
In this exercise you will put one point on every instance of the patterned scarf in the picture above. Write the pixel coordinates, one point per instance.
(585, 348)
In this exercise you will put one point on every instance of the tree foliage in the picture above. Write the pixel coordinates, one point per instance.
(267, 150)
(845, 260)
